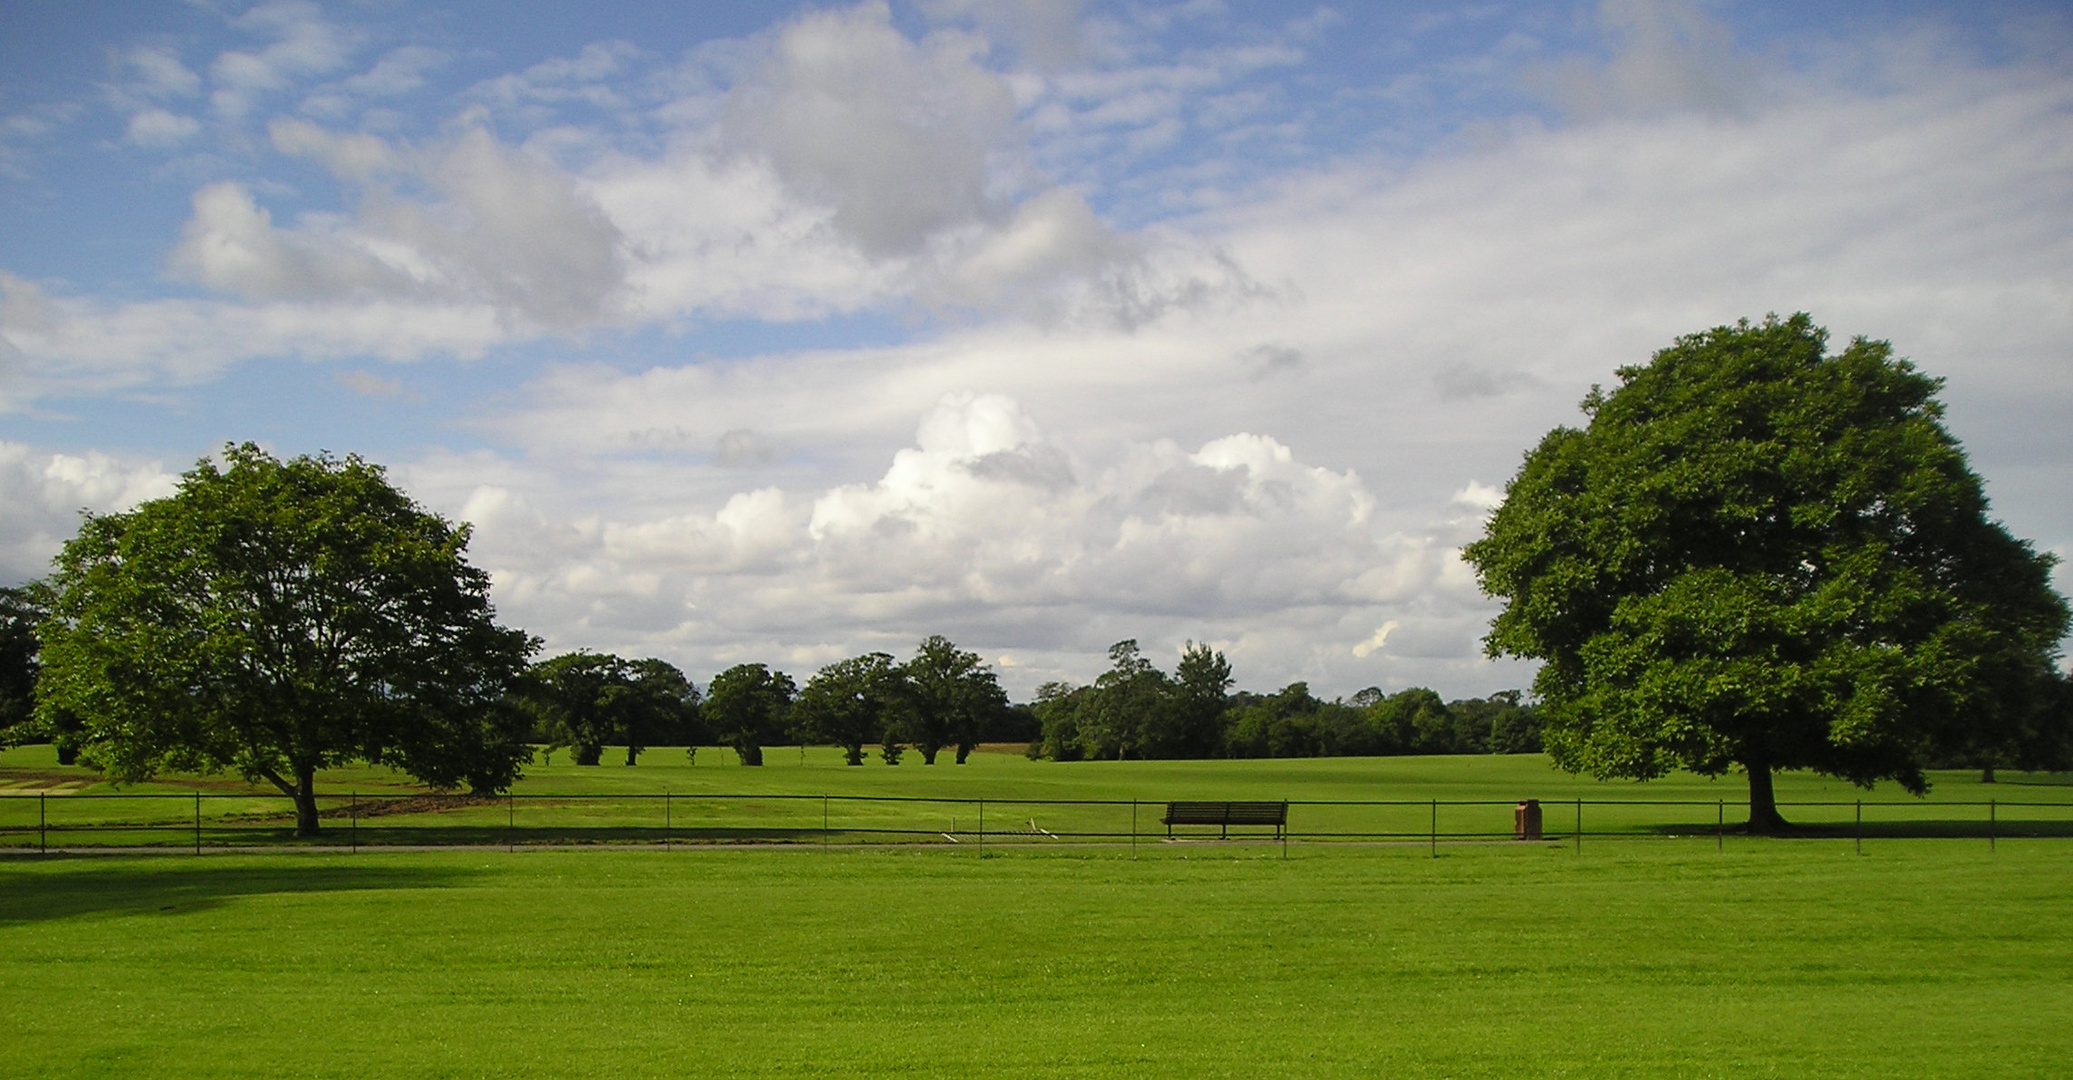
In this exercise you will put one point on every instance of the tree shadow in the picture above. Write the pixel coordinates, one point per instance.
(1925, 829)
(38, 891)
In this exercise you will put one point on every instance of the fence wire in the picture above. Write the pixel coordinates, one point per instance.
(203, 820)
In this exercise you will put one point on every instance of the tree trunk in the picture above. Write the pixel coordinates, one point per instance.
(1764, 818)
(928, 753)
(964, 750)
(749, 753)
(306, 801)
(853, 753)
(587, 754)
(68, 754)
(632, 753)
(1986, 774)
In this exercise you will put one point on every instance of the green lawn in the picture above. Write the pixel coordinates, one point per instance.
(558, 801)
(1635, 958)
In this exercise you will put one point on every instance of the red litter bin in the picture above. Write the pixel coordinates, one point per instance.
(1526, 820)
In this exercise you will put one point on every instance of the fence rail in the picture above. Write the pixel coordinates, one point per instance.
(46, 822)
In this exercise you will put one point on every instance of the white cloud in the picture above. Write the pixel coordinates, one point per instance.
(399, 71)
(158, 128)
(895, 137)
(509, 233)
(985, 527)
(304, 44)
(44, 494)
(156, 73)
(1376, 641)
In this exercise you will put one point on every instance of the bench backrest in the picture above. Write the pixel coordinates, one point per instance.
(1226, 813)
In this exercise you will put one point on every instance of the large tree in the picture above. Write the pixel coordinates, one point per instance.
(746, 706)
(279, 617)
(955, 697)
(1764, 555)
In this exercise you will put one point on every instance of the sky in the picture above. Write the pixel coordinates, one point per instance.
(781, 333)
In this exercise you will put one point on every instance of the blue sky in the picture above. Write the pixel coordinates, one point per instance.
(779, 332)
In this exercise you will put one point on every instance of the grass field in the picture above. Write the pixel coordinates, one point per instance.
(1636, 958)
(560, 802)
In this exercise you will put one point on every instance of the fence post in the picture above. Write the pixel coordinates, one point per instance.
(1857, 830)
(510, 821)
(668, 825)
(355, 811)
(982, 824)
(1991, 830)
(1133, 828)
(43, 822)
(197, 822)
(1720, 825)
(824, 821)
(1579, 826)
(1435, 828)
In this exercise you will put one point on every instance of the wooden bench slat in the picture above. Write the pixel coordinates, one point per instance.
(1225, 814)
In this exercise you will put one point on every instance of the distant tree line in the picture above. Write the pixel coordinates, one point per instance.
(277, 618)
(1134, 710)
(943, 697)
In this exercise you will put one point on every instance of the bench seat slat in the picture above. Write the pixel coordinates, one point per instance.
(1225, 814)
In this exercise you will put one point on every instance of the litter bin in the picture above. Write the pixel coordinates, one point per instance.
(1526, 820)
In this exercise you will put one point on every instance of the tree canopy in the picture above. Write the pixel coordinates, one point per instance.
(864, 699)
(1764, 555)
(587, 701)
(747, 706)
(22, 609)
(955, 697)
(277, 617)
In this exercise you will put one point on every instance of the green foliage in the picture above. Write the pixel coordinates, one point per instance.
(1130, 702)
(955, 696)
(22, 610)
(747, 706)
(1136, 711)
(277, 618)
(585, 701)
(1764, 555)
(1058, 706)
(864, 699)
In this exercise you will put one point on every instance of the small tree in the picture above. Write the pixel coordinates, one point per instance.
(1762, 555)
(586, 701)
(22, 610)
(277, 618)
(853, 702)
(955, 696)
(746, 707)
(1190, 725)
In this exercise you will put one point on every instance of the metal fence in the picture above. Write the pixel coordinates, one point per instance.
(201, 821)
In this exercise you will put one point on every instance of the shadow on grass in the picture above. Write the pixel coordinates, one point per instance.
(65, 887)
(217, 837)
(1888, 830)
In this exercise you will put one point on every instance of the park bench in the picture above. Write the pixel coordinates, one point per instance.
(1225, 815)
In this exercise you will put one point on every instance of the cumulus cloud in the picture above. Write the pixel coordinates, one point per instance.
(896, 137)
(504, 232)
(988, 525)
(44, 494)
